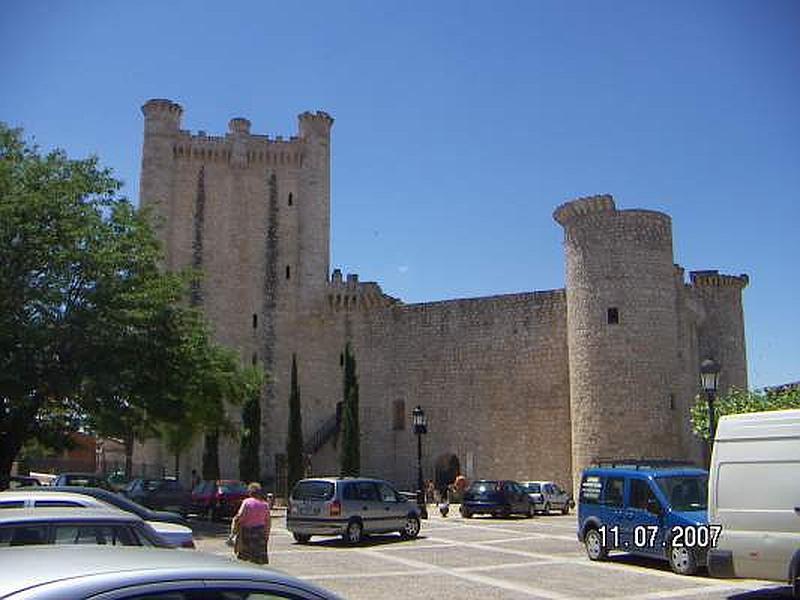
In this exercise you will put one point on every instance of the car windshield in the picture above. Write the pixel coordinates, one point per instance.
(685, 492)
(532, 487)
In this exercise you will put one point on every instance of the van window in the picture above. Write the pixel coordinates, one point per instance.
(615, 489)
(685, 492)
(641, 496)
(313, 490)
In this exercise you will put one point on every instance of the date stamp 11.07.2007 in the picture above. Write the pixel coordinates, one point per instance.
(650, 537)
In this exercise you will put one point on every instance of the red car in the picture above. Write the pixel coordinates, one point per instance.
(218, 499)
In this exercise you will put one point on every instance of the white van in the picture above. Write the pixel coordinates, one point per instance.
(754, 494)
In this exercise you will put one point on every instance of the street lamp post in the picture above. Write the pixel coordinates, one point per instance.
(420, 422)
(709, 379)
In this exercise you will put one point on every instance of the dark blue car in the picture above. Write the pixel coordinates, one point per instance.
(498, 498)
(647, 509)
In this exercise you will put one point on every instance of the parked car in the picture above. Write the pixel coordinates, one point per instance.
(217, 499)
(82, 479)
(27, 526)
(119, 501)
(172, 534)
(651, 508)
(18, 481)
(498, 498)
(754, 497)
(160, 494)
(116, 572)
(547, 496)
(350, 507)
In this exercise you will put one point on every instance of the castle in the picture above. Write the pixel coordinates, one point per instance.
(521, 386)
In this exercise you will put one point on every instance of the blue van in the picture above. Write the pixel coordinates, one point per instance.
(651, 508)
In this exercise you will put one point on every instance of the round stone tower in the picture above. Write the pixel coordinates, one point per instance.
(621, 331)
(720, 335)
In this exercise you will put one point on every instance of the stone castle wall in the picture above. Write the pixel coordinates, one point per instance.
(525, 386)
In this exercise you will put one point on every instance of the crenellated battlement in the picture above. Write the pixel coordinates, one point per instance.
(601, 203)
(350, 294)
(161, 105)
(713, 278)
(239, 145)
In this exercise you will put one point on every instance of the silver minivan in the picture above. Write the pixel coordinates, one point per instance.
(351, 507)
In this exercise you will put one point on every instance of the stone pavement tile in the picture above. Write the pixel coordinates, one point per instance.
(455, 557)
(468, 533)
(335, 562)
(587, 581)
(422, 587)
(759, 591)
(544, 545)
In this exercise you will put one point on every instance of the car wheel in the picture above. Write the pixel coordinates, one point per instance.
(505, 513)
(565, 509)
(411, 528)
(682, 560)
(529, 512)
(466, 513)
(302, 538)
(547, 508)
(354, 533)
(594, 545)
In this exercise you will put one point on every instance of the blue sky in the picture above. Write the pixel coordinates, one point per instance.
(460, 126)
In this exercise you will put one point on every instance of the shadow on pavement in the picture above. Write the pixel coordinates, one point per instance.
(368, 542)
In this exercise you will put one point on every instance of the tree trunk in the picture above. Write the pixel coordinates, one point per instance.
(211, 456)
(10, 446)
(128, 441)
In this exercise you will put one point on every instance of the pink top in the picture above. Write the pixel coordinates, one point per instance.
(253, 512)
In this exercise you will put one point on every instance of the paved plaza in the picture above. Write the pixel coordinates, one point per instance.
(486, 559)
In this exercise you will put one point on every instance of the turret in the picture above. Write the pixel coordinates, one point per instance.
(621, 331)
(162, 121)
(313, 208)
(720, 335)
(161, 117)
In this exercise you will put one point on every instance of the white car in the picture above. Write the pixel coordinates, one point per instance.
(175, 535)
(547, 496)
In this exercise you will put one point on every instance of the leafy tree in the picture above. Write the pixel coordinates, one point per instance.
(351, 437)
(294, 441)
(738, 401)
(93, 332)
(82, 294)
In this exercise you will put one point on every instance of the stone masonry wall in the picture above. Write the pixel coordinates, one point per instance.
(491, 374)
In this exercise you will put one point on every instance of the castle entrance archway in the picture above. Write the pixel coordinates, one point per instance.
(446, 469)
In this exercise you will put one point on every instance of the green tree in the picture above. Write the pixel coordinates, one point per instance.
(351, 437)
(294, 441)
(250, 442)
(738, 401)
(82, 293)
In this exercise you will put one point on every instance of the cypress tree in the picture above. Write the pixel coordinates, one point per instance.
(250, 446)
(294, 441)
(351, 443)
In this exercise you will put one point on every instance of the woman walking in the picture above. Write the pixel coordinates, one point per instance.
(251, 526)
